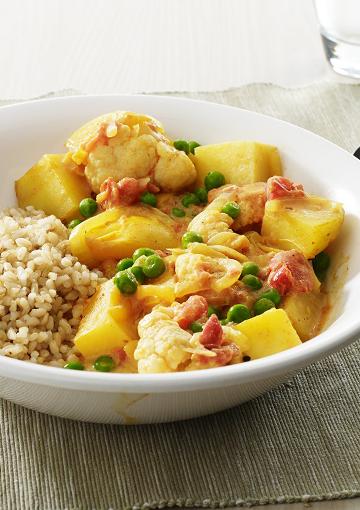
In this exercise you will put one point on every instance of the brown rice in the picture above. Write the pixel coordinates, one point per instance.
(43, 288)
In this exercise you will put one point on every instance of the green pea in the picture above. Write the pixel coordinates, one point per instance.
(252, 281)
(250, 268)
(88, 207)
(190, 199)
(321, 264)
(321, 275)
(262, 305)
(124, 264)
(126, 282)
(190, 237)
(238, 313)
(74, 365)
(104, 364)
(177, 212)
(321, 261)
(192, 146)
(232, 209)
(201, 194)
(214, 180)
(182, 145)
(138, 272)
(74, 223)
(214, 310)
(148, 198)
(196, 327)
(143, 251)
(273, 295)
(153, 266)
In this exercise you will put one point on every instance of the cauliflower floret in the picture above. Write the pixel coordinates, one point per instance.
(196, 272)
(135, 157)
(209, 222)
(125, 144)
(217, 228)
(225, 352)
(230, 240)
(214, 225)
(174, 170)
(114, 122)
(250, 197)
(163, 345)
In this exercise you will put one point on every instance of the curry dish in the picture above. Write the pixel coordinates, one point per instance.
(205, 255)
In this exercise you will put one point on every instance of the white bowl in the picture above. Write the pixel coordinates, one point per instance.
(28, 130)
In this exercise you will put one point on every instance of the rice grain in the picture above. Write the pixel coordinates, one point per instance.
(43, 288)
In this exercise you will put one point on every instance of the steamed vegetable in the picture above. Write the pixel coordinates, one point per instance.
(54, 186)
(126, 144)
(87, 207)
(306, 312)
(307, 224)
(213, 180)
(104, 364)
(108, 322)
(239, 162)
(267, 334)
(126, 282)
(154, 294)
(163, 345)
(117, 232)
(238, 313)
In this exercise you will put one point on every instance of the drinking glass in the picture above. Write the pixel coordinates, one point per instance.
(340, 33)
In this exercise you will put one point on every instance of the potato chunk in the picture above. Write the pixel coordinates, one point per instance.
(306, 312)
(240, 162)
(155, 294)
(53, 186)
(307, 224)
(118, 232)
(108, 322)
(267, 334)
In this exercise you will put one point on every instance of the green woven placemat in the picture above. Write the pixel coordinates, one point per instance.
(298, 443)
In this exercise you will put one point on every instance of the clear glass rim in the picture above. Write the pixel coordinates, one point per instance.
(324, 33)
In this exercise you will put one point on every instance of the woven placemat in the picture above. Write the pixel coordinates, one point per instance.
(298, 443)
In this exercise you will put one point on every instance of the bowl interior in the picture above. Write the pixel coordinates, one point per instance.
(29, 130)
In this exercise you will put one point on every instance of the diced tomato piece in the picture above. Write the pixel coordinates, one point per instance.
(193, 309)
(130, 190)
(109, 195)
(212, 334)
(224, 355)
(125, 192)
(281, 187)
(153, 188)
(282, 280)
(99, 138)
(119, 355)
(291, 272)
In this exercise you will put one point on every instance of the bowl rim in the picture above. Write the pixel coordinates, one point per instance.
(260, 369)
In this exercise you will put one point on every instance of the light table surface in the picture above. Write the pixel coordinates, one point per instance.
(116, 46)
